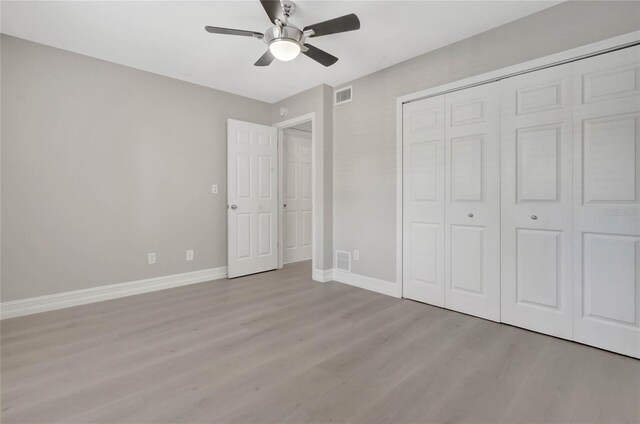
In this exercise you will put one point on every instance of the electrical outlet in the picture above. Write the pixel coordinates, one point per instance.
(152, 258)
(356, 255)
(214, 189)
(190, 255)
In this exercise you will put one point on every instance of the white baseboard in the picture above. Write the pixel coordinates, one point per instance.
(33, 305)
(381, 286)
(322, 275)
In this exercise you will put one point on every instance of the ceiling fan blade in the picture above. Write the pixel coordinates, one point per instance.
(273, 9)
(265, 59)
(334, 26)
(230, 31)
(320, 56)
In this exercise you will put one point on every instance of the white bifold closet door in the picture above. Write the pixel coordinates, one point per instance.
(536, 201)
(606, 206)
(522, 201)
(472, 201)
(296, 209)
(423, 200)
(451, 223)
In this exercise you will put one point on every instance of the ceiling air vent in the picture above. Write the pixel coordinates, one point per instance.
(344, 95)
(343, 261)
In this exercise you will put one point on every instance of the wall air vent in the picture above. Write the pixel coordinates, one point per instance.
(343, 95)
(343, 261)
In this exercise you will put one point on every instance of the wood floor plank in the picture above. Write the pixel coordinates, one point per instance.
(279, 348)
(264, 366)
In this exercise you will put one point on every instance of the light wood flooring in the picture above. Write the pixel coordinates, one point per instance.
(278, 348)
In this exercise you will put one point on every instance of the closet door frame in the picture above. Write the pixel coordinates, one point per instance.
(582, 52)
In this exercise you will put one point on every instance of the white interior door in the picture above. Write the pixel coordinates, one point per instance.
(423, 201)
(297, 195)
(472, 209)
(607, 201)
(252, 224)
(536, 201)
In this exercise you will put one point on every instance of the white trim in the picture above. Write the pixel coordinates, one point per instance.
(368, 283)
(487, 77)
(568, 55)
(322, 275)
(399, 192)
(317, 162)
(298, 133)
(34, 305)
(346, 87)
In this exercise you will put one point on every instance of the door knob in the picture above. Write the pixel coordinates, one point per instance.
(234, 206)
(285, 205)
(470, 215)
(534, 217)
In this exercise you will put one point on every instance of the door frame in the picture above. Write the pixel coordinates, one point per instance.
(316, 161)
(583, 52)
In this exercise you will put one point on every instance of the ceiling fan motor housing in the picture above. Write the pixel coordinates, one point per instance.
(289, 33)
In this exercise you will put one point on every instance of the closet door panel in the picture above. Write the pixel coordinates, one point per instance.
(423, 200)
(538, 265)
(536, 183)
(472, 209)
(607, 201)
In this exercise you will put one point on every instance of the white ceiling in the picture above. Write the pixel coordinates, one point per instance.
(168, 37)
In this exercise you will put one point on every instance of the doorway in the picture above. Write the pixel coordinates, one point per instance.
(256, 177)
(296, 190)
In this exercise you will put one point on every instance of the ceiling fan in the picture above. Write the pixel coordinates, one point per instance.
(286, 41)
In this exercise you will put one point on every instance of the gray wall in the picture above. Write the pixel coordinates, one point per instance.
(319, 101)
(364, 130)
(102, 164)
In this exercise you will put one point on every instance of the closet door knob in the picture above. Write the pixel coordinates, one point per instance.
(534, 217)
(234, 206)
(470, 215)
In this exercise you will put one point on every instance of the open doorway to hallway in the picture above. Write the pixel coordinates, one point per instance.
(296, 193)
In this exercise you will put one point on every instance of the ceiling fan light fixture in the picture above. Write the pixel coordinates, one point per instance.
(284, 50)
(286, 41)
